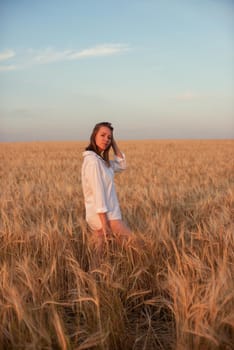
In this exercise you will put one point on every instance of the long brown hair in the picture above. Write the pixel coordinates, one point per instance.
(92, 145)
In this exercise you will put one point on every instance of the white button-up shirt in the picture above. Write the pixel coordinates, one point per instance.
(99, 188)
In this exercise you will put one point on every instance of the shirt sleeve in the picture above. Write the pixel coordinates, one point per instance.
(118, 164)
(98, 187)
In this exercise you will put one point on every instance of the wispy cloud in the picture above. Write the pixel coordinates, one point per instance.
(100, 50)
(6, 55)
(50, 55)
(7, 68)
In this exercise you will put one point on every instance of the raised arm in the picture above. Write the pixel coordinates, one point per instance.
(116, 149)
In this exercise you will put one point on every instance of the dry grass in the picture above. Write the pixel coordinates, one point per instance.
(176, 293)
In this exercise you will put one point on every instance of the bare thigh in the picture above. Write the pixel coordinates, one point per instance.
(120, 230)
(118, 227)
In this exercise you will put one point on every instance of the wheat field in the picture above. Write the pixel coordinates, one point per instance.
(176, 291)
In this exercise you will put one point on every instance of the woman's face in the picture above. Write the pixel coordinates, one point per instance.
(103, 138)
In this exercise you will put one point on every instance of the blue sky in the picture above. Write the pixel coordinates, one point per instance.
(154, 68)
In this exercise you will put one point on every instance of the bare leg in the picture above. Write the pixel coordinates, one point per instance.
(123, 234)
(98, 239)
(121, 231)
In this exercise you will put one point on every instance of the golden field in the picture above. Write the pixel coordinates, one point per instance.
(176, 292)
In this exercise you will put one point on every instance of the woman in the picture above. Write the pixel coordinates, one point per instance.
(102, 207)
